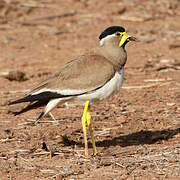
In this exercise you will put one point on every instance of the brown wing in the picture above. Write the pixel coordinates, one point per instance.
(80, 76)
(86, 73)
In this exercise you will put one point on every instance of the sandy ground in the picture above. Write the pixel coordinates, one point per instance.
(137, 131)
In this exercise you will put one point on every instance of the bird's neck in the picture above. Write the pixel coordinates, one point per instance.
(117, 56)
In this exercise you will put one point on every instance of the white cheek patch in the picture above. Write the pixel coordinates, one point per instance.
(101, 42)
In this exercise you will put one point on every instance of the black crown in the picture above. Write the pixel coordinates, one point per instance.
(111, 30)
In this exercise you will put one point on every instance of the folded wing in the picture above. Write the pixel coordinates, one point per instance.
(82, 75)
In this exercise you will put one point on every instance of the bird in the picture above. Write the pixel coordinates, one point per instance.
(90, 77)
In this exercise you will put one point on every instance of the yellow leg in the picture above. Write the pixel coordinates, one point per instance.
(88, 117)
(84, 126)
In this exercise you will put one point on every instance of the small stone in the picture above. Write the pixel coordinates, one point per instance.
(174, 45)
(16, 76)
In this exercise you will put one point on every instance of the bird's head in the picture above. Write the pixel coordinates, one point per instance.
(115, 35)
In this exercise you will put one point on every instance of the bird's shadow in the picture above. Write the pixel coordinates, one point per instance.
(137, 138)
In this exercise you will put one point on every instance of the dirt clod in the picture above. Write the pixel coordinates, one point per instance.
(16, 76)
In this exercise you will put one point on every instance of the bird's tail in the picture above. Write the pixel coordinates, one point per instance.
(21, 100)
(31, 106)
(43, 96)
(36, 100)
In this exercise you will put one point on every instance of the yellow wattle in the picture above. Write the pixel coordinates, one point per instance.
(123, 39)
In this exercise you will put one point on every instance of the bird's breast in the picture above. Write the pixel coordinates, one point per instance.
(111, 87)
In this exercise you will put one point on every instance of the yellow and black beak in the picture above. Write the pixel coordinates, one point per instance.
(125, 37)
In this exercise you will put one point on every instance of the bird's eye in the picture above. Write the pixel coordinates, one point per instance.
(118, 33)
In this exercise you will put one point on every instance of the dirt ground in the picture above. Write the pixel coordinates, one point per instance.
(137, 131)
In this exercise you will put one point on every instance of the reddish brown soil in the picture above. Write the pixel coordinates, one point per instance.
(137, 131)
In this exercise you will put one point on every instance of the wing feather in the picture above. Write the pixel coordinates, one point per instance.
(81, 75)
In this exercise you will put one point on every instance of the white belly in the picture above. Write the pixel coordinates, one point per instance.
(105, 91)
